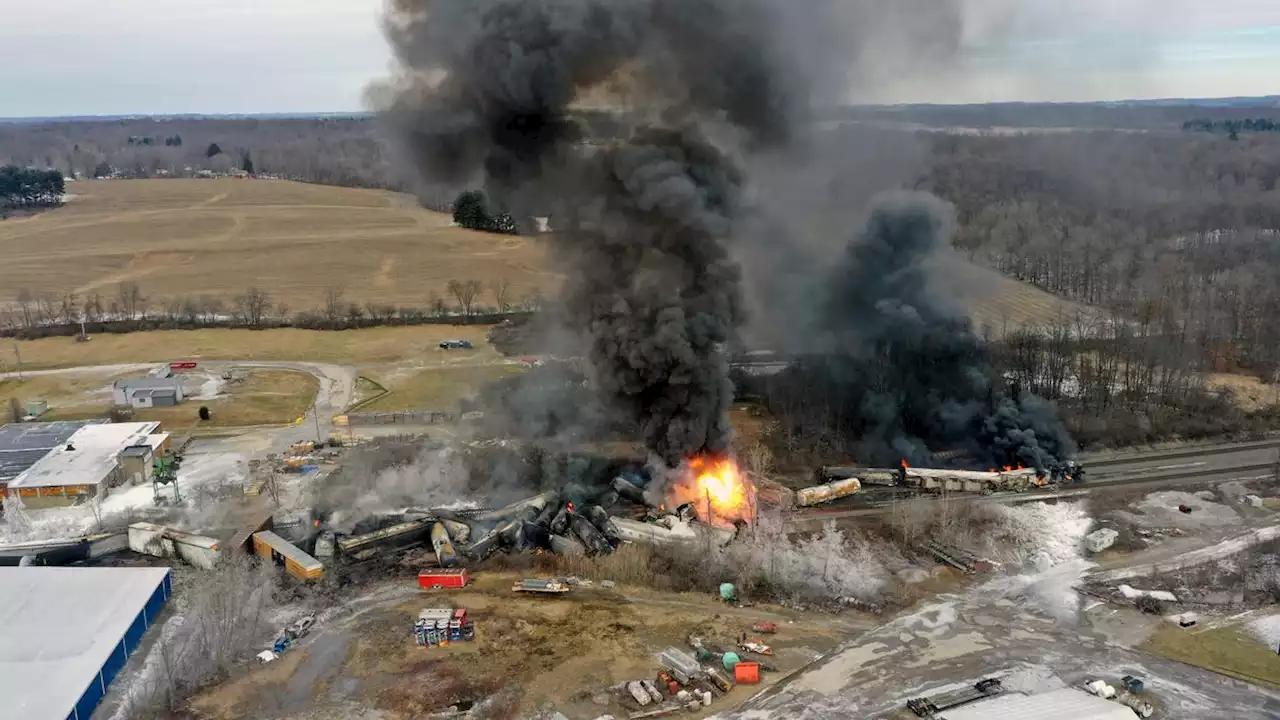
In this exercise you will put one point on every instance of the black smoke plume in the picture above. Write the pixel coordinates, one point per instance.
(898, 364)
(640, 217)
(643, 208)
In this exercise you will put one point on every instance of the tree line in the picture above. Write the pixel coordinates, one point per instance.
(349, 152)
(23, 188)
(471, 210)
(1178, 235)
(1232, 127)
(129, 309)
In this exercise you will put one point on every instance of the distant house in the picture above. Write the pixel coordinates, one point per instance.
(147, 392)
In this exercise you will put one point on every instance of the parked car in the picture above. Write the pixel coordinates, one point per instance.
(302, 626)
(284, 642)
(455, 345)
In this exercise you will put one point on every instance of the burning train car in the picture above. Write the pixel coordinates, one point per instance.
(706, 500)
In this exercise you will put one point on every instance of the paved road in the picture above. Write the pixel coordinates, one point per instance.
(1208, 459)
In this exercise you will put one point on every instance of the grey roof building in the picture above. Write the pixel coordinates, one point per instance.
(24, 444)
(147, 392)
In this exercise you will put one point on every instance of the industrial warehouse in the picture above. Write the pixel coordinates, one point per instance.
(65, 633)
(87, 462)
(24, 444)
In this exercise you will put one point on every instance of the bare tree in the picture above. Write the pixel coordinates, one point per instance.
(15, 410)
(93, 307)
(465, 292)
(25, 300)
(210, 308)
(500, 288)
(222, 618)
(436, 306)
(47, 308)
(532, 302)
(333, 307)
(95, 506)
(70, 308)
(253, 306)
(132, 302)
(273, 487)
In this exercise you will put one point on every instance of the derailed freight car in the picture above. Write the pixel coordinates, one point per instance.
(270, 546)
(974, 481)
(949, 480)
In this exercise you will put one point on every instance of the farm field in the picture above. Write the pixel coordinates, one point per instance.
(192, 238)
(372, 346)
(181, 238)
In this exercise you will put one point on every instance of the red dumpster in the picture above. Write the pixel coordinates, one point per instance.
(746, 673)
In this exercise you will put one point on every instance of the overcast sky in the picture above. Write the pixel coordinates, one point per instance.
(82, 57)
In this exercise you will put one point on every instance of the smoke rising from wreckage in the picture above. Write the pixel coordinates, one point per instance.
(902, 363)
(648, 212)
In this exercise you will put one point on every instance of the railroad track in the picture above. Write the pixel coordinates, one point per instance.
(1181, 453)
(1225, 474)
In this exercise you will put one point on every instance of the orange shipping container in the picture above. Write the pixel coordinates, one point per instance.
(746, 673)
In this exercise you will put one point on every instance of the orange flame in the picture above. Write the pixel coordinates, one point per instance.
(716, 488)
(905, 464)
(569, 506)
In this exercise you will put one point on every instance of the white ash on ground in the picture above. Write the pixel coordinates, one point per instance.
(1038, 535)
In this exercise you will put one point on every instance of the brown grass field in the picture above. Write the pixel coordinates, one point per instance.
(266, 397)
(1226, 650)
(372, 346)
(435, 388)
(187, 238)
(179, 238)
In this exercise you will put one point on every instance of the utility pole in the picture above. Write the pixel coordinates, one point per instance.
(18, 355)
(315, 408)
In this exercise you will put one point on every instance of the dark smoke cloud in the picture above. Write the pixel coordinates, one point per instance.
(490, 92)
(641, 218)
(900, 358)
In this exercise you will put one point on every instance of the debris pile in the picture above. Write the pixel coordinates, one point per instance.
(692, 680)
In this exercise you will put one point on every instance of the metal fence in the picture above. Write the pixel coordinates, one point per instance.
(409, 417)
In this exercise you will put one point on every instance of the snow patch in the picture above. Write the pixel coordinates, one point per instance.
(1267, 629)
(210, 389)
(1049, 540)
(1043, 535)
(1161, 510)
(1133, 594)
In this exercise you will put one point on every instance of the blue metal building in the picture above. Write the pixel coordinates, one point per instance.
(66, 632)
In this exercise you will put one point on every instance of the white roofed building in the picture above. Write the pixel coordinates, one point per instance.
(87, 465)
(1063, 704)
